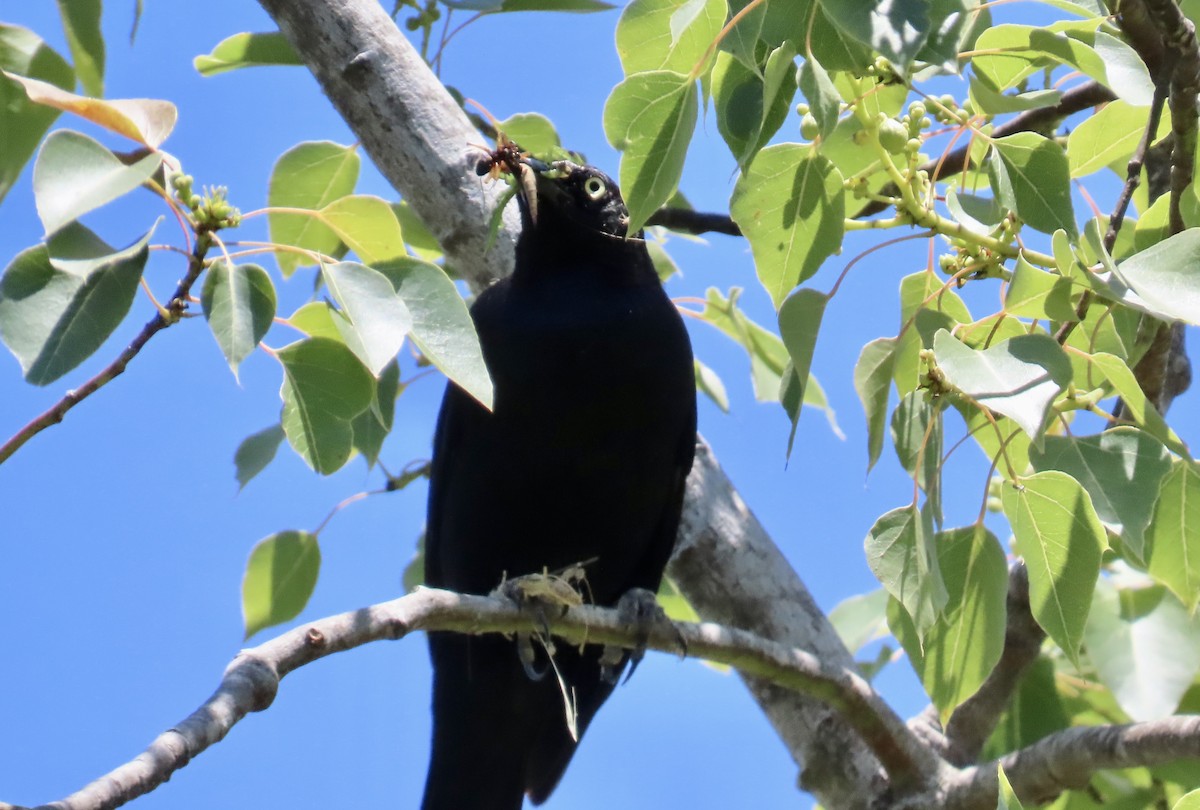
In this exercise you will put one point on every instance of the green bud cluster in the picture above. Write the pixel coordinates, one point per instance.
(424, 17)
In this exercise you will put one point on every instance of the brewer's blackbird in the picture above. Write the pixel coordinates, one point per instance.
(582, 460)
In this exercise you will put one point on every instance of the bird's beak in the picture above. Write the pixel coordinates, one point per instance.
(539, 181)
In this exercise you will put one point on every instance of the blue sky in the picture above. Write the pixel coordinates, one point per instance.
(124, 538)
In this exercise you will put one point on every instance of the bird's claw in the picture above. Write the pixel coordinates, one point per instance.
(640, 608)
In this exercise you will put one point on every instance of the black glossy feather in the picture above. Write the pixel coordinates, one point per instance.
(583, 460)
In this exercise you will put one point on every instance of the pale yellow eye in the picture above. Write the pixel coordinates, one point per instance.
(594, 188)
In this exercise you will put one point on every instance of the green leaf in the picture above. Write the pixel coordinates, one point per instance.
(146, 120)
(1007, 799)
(1125, 72)
(1031, 176)
(963, 646)
(799, 322)
(902, 555)
(789, 205)
(75, 174)
(674, 603)
(572, 6)
(860, 619)
(373, 425)
(280, 577)
(380, 318)
(1166, 276)
(1019, 378)
(709, 384)
(1034, 711)
(1121, 469)
(535, 133)
(917, 436)
(664, 265)
(1191, 801)
(414, 572)
(1137, 406)
(247, 50)
(1173, 536)
(309, 175)
(768, 356)
(897, 29)
(1007, 54)
(667, 34)
(416, 235)
(1061, 539)
(750, 108)
(872, 379)
(239, 303)
(367, 225)
(1108, 136)
(821, 95)
(324, 387)
(59, 302)
(927, 301)
(987, 99)
(953, 26)
(255, 452)
(1148, 661)
(1034, 293)
(441, 325)
(22, 121)
(742, 40)
(650, 117)
(81, 24)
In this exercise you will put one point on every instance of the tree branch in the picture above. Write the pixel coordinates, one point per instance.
(416, 134)
(251, 681)
(1068, 759)
(175, 308)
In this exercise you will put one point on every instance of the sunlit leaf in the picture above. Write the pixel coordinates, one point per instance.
(380, 318)
(81, 24)
(255, 452)
(650, 117)
(54, 317)
(374, 424)
(280, 577)
(901, 553)
(789, 204)
(75, 174)
(1167, 276)
(709, 384)
(1019, 378)
(441, 325)
(897, 29)
(860, 619)
(962, 647)
(872, 381)
(310, 175)
(239, 303)
(1034, 293)
(1121, 469)
(799, 322)
(1147, 661)
(917, 436)
(533, 132)
(367, 225)
(1173, 536)
(1061, 539)
(145, 120)
(1031, 176)
(1109, 135)
(667, 34)
(247, 50)
(324, 387)
(821, 95)
(23, 122)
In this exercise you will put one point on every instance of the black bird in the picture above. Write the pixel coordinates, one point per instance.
(582, 460)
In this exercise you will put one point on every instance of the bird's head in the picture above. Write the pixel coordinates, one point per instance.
(567, 195)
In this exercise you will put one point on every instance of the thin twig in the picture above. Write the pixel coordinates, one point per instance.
(175, 309)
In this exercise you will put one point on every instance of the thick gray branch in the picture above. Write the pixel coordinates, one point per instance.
(418, 136)
(1068, 759)
(251, 680)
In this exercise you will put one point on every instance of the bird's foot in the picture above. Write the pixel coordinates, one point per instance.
(540, 594)
(640, 608)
